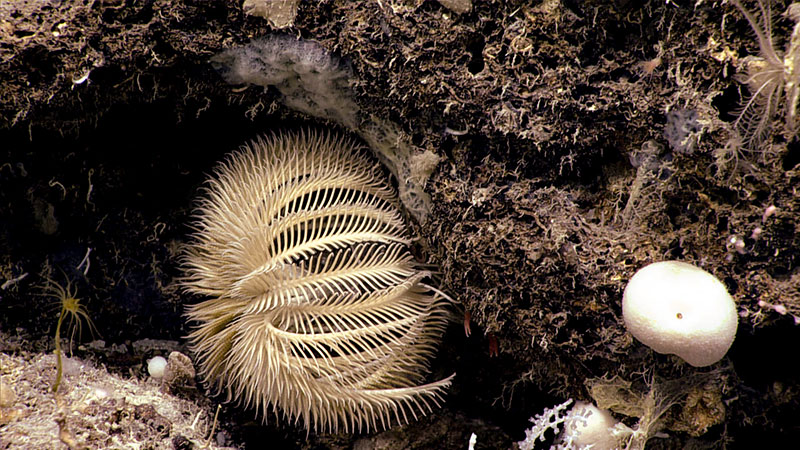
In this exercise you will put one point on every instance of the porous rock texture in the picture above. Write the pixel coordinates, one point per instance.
(556, 182)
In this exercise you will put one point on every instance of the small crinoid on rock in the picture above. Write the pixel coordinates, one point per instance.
(70, 308)
(316, 306)
(773, 78)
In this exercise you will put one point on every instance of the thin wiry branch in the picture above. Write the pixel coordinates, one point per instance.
(316, 307)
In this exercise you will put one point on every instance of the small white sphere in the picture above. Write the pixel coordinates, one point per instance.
(156, 366)
(589, 425)
(679, 309)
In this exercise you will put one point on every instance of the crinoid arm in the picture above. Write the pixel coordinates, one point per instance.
(317, 310)
(773, 79)
(755, 117)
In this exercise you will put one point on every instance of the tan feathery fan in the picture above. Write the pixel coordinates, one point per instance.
(316, 306)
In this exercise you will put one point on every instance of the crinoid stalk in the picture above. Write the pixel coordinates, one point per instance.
(314, 306)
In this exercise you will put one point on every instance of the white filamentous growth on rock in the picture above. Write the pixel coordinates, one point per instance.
(315, 82)
(310, 79)
(677, 308)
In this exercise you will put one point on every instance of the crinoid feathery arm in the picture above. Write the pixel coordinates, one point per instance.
(317, 309)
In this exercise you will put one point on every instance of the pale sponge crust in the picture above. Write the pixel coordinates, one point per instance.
(677, 308)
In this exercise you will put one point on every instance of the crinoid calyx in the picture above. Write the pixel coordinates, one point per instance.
(315, 305)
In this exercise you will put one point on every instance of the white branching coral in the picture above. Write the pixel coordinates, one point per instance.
(316, 307)
(549, 419)
(583, 427)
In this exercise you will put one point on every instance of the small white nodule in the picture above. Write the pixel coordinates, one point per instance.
(156, 366)
(679, 309)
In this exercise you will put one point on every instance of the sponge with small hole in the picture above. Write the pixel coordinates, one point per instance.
(677, 308)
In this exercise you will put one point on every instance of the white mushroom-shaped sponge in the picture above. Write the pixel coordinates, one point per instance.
(677, 308)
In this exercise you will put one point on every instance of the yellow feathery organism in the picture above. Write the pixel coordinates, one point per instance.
(314, 305)
(70, 307)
